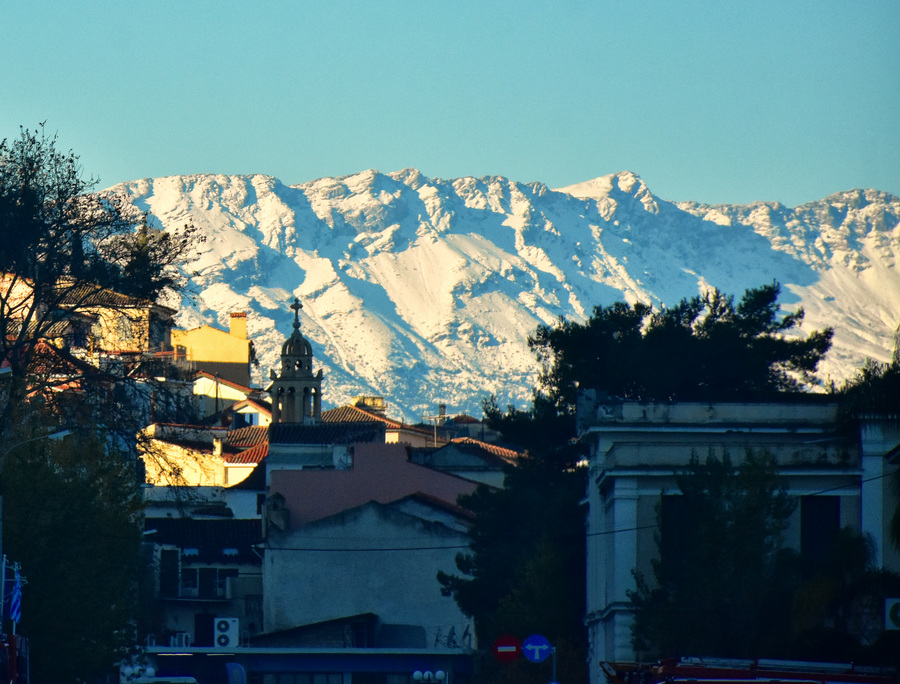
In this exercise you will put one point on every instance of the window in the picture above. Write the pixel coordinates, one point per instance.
(253, 604)
(189, 583)
(168, 573)
(820, 520)
(192, 582)
(124, 328)
(213, 582)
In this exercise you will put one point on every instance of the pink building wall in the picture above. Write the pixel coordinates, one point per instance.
(380, 472)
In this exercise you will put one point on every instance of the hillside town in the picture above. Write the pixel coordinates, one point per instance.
(684, 499)
(276, 529)
(302, 543)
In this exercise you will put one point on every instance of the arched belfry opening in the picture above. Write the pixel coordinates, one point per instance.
(296, 391)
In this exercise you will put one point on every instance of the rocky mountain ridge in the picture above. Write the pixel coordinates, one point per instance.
(425, 290)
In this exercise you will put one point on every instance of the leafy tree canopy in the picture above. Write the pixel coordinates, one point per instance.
(55, 226)
(703, 348)
(64, 248)
(64, 244)
(724, 585)
(876, 389)
(524, 571)
(72, 520)
(719, 582)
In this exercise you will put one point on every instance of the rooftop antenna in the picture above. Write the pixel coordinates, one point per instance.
(441, 418)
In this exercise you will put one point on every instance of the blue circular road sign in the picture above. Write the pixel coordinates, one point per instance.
(536, 648)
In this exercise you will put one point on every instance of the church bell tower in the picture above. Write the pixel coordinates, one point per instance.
(296, 391)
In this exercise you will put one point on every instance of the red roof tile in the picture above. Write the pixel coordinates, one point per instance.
(252, 455)
(248, 436)
(355, 414)
(508, 455)
(261, 405)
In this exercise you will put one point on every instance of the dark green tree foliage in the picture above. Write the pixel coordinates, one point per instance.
(71, 513)
(524, 572)
(71, 519)
(837, 609)
(704, 348)
(54, 225)
(721, 584)
(876, 390)
(62, 244)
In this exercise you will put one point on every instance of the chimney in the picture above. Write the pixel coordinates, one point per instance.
(238, 326)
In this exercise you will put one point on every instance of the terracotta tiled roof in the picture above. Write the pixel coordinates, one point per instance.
(508, 455)
(355, 414)
(254, 454)
(56, 370)
(87, 294)
(248, 436)
(264, 406)
(50, 360)
(439, 503)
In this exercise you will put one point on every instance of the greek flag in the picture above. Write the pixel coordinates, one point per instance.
(15, 602)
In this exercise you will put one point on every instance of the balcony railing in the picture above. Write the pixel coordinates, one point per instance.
(219, 591)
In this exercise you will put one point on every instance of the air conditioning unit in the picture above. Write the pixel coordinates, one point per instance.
(226, 632)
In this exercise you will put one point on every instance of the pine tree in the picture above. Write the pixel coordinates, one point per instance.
(702, 349)
(722, 584)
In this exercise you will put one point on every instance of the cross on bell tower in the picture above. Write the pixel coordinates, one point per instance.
(296, 390)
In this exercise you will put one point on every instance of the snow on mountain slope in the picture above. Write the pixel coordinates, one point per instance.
(425, 290)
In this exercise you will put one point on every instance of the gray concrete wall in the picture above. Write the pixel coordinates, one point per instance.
(371, 559)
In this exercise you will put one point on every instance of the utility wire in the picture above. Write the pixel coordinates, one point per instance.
(466, 546)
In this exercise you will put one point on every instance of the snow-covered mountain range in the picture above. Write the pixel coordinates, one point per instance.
(424, 290)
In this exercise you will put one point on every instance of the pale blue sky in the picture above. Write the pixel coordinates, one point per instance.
(708, 100)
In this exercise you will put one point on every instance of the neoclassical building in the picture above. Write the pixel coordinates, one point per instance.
(839, 478)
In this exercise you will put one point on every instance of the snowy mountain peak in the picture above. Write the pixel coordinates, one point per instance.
(603, 186)
(424, 290)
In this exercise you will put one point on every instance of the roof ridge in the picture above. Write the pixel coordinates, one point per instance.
(502, 452)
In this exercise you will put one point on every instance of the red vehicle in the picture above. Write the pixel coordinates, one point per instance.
(768, 671)
(13, 659)
(728, 671)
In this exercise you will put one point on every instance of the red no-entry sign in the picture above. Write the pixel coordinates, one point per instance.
(507, 648)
